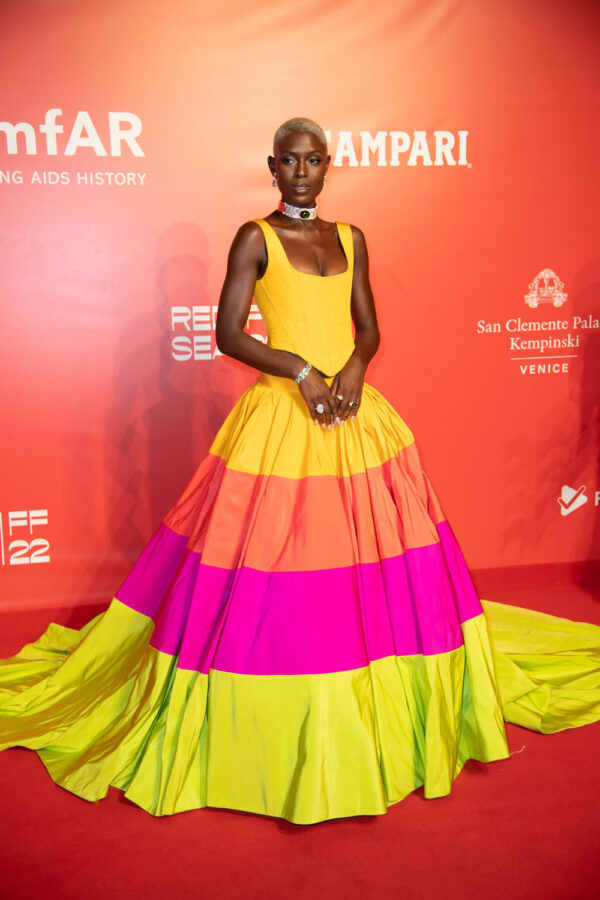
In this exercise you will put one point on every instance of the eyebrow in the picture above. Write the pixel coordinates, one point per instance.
(292, 153)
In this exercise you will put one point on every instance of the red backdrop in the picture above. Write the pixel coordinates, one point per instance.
(464, 138)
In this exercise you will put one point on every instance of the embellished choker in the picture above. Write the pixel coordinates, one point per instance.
(298, 212)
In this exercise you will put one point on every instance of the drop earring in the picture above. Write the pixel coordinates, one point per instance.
(274, 182)
(324, 180)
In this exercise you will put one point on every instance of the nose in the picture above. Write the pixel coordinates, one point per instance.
(301, 168)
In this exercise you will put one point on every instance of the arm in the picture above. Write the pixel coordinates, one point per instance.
(246, 255)
(243, 262)
(349, 380)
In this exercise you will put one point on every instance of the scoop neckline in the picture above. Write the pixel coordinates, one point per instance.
(310, 274)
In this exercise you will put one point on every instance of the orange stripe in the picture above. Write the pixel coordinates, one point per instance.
(280, 524)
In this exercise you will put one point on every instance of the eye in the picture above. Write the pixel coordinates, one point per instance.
(315, 160)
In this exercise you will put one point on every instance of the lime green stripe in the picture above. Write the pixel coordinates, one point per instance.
(548, 667)
(305, 747)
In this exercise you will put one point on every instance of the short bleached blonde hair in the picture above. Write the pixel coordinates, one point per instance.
(299, 123)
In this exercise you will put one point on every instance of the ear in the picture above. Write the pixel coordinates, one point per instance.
(271, 164)
(328, 161)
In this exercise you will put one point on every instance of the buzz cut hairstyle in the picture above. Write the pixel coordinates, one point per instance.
(299, 123)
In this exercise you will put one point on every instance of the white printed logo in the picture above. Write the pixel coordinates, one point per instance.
(193, 331)
(542, 344)
(123, 128)
(116, 137)
(393, 148)
(571, 499)
(546, 287)
(22, 551)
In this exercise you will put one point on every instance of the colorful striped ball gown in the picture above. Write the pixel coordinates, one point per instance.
(300, 637)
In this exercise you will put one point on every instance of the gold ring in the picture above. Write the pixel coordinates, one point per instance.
(339, 396)
(352, 403)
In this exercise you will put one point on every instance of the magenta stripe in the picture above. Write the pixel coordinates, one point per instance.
(151, 580)
(290, 623)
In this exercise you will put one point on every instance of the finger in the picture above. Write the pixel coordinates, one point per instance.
(311, 408)
(352, 409)
(333, 411)
(319, 417)
(338, 414)
(337, 404)
(322, 421)
(312, 402)
(326, 416)
(340, 404)
(344, 409)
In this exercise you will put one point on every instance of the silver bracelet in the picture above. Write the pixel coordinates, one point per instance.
(303, 373)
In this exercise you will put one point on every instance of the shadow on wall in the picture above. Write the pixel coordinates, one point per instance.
(165, 413)
(565, 447)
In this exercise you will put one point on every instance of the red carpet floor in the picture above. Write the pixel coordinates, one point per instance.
(525, 827)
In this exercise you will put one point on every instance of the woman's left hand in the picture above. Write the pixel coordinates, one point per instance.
(349, 383)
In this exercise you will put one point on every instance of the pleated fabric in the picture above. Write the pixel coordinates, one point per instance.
(300, 637)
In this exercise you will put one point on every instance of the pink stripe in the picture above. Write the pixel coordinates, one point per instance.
(290, 623)
(153, 577)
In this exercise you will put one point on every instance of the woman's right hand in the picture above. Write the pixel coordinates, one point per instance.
(315, 390)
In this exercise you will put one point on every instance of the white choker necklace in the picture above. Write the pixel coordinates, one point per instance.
(298, 212)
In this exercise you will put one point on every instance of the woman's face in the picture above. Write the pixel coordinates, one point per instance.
(300, 163)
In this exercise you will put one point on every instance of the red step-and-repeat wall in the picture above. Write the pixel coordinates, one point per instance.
(133, 142)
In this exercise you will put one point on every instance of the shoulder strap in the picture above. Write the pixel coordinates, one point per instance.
(264, 228)
(347, 243)
(271, 240)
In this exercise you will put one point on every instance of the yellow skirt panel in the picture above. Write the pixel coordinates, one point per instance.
(270, 431)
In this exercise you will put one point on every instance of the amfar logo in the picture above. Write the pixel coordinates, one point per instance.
(123, 128)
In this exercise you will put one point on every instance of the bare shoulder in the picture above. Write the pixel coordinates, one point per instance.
(248, 244)
(249, 233)
(357, 234)
(359, 242)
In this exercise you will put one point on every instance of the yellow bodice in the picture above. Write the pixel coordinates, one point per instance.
(307, 314)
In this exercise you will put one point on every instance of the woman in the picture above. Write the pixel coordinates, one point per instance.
(300, 637)
(313, 247)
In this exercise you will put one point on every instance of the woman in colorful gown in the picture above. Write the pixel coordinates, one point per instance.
(300, 637)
